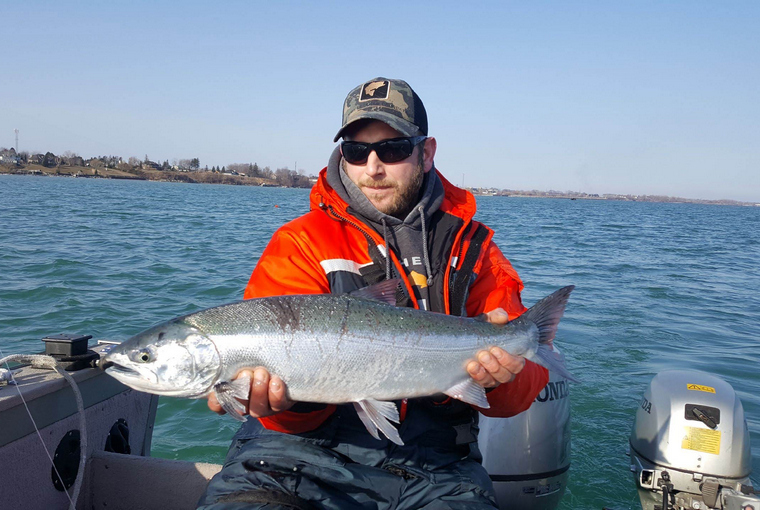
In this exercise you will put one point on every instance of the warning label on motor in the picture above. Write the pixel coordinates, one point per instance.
(698, 387)
(701, 440)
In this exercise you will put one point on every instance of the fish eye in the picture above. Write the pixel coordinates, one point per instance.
(144, 355)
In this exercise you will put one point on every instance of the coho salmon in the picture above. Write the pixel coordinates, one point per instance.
(333, 349)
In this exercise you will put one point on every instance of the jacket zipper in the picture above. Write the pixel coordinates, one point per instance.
(352, 223)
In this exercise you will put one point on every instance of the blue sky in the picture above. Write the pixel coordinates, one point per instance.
(602, 97)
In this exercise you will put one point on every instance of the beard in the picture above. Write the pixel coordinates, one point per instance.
(405, 195)
(404, 198)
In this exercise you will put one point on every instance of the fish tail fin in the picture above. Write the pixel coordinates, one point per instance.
(554, 361)
(546, 315)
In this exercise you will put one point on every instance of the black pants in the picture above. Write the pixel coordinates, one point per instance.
(280, 471)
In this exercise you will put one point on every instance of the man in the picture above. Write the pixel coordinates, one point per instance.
(380, 210)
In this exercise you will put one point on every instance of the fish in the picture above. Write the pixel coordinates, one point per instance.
(332, 348)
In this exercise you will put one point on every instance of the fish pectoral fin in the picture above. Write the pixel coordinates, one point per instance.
(241, 387)
(376, 414)
(383, 292)
(469, 391)
(225, 393)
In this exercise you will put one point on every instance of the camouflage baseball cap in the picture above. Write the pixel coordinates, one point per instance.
(390, 101)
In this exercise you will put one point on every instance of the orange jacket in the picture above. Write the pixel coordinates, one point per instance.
(298, 258)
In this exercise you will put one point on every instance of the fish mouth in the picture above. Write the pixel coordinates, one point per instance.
(142, 381)
(116, 370)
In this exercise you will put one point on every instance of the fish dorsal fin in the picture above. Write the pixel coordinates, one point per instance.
(384, 292)
(469, 391)
(227, 394)
(376, 414)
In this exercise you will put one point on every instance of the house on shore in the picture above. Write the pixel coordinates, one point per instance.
(9, 157)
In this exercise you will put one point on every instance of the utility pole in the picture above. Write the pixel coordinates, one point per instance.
(16, 131)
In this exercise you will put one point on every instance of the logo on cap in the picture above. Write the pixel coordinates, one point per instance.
(375, 90)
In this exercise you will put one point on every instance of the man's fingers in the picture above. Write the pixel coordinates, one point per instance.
(213, 404)
(514, 364)
(497, 316)
(258, 403)
(278, 399)
(268, 395)
(480, 374)
(494, 368)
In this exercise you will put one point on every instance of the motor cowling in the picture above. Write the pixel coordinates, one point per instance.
(689, 440)
(528, 455)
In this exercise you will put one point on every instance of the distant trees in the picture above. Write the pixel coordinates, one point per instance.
(284, 177)
(72, 159)
(291, 179)
(189, 164)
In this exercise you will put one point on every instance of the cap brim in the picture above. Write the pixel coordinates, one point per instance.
(404, 127)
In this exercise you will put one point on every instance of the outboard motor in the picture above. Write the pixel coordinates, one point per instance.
(528, 455)
(690, 445)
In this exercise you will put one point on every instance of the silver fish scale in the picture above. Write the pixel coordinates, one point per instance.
(336, 349)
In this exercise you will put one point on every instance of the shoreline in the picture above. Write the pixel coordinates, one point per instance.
(139, 175)
(242, 180)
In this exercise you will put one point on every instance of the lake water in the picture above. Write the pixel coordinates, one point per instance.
(658, 286)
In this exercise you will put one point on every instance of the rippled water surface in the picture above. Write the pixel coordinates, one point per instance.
(659, 286)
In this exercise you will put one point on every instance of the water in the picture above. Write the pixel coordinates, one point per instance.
(659, 286)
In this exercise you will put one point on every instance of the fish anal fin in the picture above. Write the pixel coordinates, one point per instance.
(384, 292)
(226, 393)
(377, 415)
(469, 391)
(366, 420)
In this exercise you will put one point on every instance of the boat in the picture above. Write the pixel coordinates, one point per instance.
(95, 453)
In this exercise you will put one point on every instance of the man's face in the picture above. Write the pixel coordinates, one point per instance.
(393, 188)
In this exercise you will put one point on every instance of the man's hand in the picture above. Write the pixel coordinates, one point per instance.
(495, 366)
(268, 395)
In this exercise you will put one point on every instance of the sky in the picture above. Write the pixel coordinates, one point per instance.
(643, 97)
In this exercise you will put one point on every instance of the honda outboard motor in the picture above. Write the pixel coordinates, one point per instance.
(528, 455)
(690, 445)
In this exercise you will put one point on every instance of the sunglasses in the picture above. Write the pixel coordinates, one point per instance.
(389, 151)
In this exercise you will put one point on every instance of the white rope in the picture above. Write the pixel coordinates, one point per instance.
(48, 362)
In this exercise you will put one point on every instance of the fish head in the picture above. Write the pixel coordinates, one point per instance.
(172, 359)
